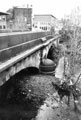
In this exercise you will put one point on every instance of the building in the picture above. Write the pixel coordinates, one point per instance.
(44, 22)
(3, 22)
(20, 18)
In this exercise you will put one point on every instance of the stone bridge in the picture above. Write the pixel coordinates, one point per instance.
(23, 49)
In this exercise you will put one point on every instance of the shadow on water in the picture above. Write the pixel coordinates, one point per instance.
(17, 100)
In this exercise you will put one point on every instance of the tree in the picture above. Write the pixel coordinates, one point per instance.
(72, 35)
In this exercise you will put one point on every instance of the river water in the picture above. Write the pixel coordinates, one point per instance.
(49, 109)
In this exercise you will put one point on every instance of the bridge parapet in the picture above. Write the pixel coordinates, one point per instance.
(12, 44)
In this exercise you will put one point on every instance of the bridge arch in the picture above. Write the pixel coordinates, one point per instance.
(26, 59)
(53, 53)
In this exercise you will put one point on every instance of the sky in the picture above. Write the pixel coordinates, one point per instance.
(57, 8)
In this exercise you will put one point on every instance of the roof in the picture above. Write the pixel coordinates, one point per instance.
(45, 15)
(3, 13)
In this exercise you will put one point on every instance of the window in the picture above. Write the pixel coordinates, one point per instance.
(4, 18)
(0, 27)
(42, 28)
(4, 26)
(35, 26)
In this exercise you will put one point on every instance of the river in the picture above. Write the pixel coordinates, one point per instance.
(48, 108)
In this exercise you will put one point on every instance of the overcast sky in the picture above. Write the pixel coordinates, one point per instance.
(55, 7)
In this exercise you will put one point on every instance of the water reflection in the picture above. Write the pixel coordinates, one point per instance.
(50, 109)
(14, 112)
